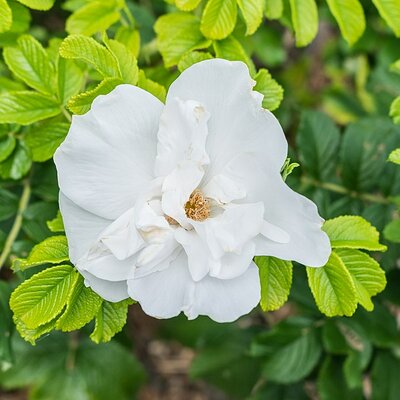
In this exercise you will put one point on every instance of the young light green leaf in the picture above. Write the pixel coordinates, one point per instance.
(56, 224)
(353, 232)
(53, 250)
(288, 167)
(270, 88)
(95, 16)
(81, 103)
(18, 163)
(41, 5)
(392, 231)
(152, 87)
(70, 80)
(252, 11)
(349, 14)
(130, 38)
(395, 110)
(219, 19)
(41, 298)
(305, 20)
(318, 141)
(30, 62)
(7, 145)
(187, 5)
(127, 62)
(333, 288)
(110, 320)
(274, 9)
(192, 58)
(82, 306)
(390, 12)
(276, 281)
(44, 140)
(84, 48)
(368, 277)
(5, 16)
(231, 49)
(394, 156)
(31, 335)
(26, 107)
(177, 34)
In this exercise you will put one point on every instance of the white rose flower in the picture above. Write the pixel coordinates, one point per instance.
(168, 204)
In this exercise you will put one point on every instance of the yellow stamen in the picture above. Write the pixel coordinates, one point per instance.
(197, 207)
(170, 220)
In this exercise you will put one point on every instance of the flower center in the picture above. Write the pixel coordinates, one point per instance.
(170, 220)
(197, 207)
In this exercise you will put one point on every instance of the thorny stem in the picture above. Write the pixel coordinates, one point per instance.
(12, 236)
(333, 187)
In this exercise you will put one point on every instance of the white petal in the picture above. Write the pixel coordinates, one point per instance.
(121, 237)
(231, 230)
(108, 156)
(238, 123)
(110, 291)
(224, 189)
(81, 227)
(182, 135)
(177, 188)
(106, 266)
(166, 293)
(274, 233)
(225, 300)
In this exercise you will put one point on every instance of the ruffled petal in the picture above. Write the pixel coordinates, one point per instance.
(107, 159)
(182, 135)
(238, 123)
(81, 227)
(110, 291)
(225, 300)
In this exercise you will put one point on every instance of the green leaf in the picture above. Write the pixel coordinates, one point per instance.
(392, 231)
(177, 34)
(333, 288)
(353, 232)
(368, 277)
(95, 16)
(187, 5)
(252, 11)
(8, 204)
(394, 156)
(305, 21)
(53, 250)
(274, 9)
(384, 377)
(318, 140)
(71, 80)
(41, 298)
(395, 110)
(390, 12)
(81, 103)
(6, 327)
(43, 140)
(192, 58)
(42, 5)
(17, 164)
(152, 87)
(349, 14)
(130, 38)
(30, 62)
(270, 88)
(219, 19)
(31, 335)
(84, 48)
(231, 49)
(82, 306)
(26, 107)
(294, 360)
(21, 17)
(5, 16)
(127, 62)
(276, 281)
(110, 319)
(287, 168)
(56, 224)
(7, 145)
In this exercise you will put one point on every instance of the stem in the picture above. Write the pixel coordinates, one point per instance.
(12, 236)
(73, 344)
(333, 187)
(67, 115)
(128, 13)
